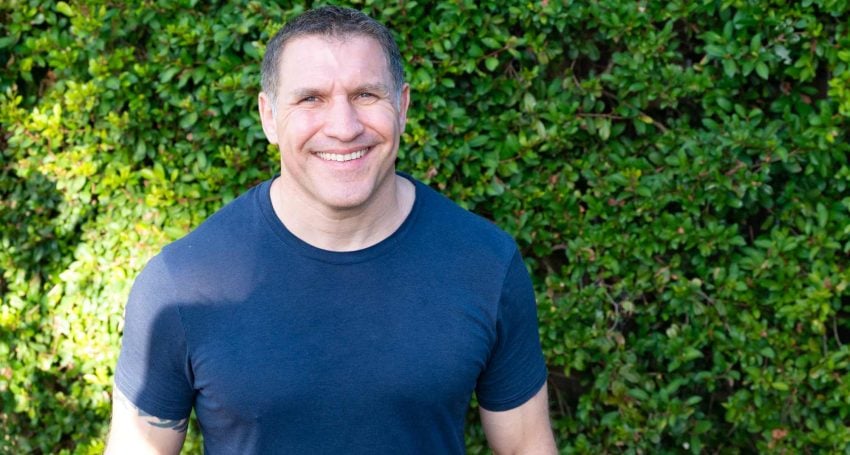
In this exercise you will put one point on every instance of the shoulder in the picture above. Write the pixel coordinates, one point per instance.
(215, 254)
(461, 231)
(225, 225)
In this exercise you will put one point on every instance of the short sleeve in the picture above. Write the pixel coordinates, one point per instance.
(516, 369)
(153, 369)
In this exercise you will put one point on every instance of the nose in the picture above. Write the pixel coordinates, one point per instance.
(342, 121)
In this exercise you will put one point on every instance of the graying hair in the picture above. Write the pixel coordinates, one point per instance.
(331, 22)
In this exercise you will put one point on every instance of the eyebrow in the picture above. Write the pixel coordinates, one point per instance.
(373, 88)
(300, 93)
(305, 92)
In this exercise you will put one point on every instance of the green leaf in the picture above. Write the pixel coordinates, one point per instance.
(141, 151)
(755, 42)
(822, 215)
(478, 140)
(781, 386)
(168, 74)
(603, 127)
(692, 353)
(730, 67)
(113, 83)
(188, 120)
(174, 232)
(7, 41)
(762, 70)
(490, 42)
(65, 9)
(639, 394)
(715, 51)
(251, 50)
(491, 63)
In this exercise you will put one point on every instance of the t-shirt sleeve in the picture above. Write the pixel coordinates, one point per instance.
(153, 369)
(516, 368)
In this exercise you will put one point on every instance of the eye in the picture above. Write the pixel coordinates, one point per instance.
(367, 96)
(309, 99)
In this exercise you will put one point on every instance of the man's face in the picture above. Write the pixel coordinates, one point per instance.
(336, 120)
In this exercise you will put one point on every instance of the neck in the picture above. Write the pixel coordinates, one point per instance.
(346, 229)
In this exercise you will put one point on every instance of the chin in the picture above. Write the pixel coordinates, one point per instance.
(347, 200)
(355, 193)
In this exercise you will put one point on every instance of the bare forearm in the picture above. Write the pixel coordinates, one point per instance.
(136, 431)
(524, 430)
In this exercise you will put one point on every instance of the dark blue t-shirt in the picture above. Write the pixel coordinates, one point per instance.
(283, 347)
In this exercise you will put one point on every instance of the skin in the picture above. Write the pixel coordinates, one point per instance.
(522, 430)
(133, 431)
(335, 98)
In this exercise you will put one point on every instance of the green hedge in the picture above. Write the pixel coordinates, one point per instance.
(676, 174)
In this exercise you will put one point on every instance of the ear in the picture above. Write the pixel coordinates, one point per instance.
(264, 102)
(403, 104)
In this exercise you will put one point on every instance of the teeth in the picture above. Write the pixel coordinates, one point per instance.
(342, 158)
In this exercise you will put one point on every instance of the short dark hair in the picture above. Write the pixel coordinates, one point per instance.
(330, 22)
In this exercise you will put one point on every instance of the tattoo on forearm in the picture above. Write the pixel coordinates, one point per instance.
(179, 426)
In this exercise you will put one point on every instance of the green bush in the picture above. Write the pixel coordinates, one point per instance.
(675, 173)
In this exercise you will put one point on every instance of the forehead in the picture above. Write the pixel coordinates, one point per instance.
(314, 59)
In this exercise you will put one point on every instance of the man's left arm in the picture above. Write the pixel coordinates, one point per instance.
(524, 429)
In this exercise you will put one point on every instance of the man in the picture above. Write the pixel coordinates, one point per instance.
(340, 307)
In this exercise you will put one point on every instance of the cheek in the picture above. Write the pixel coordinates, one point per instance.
(386, 121)
(299, 127)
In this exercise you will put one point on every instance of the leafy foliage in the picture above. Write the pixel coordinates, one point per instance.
(675, 173)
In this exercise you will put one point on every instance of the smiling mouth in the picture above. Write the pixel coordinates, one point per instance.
(339, 157)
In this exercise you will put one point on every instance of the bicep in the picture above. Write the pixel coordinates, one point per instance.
(135, 431)
(521, 430)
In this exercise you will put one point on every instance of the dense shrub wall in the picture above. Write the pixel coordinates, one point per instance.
(675, 173)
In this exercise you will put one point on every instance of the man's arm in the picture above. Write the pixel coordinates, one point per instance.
(135, 431)
(522, 430)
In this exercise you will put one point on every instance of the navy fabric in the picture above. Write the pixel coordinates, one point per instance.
(283, 347)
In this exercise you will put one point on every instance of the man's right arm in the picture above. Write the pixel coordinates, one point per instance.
(137, 432)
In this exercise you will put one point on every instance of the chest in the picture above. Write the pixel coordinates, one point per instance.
(341, 345)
